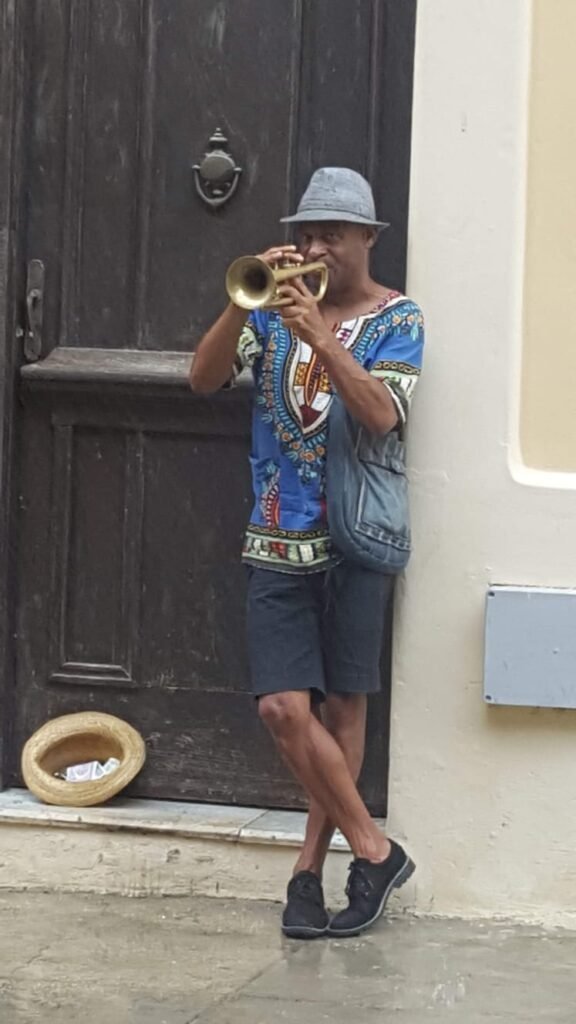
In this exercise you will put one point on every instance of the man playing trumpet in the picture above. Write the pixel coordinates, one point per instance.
(315, 620)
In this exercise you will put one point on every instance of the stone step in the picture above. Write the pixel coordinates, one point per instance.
(154, 847)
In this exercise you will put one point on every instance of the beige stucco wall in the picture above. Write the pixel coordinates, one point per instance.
(548, 394)
(485, 796)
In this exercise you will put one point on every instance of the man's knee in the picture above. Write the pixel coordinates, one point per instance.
(345, 714)
(284, 713)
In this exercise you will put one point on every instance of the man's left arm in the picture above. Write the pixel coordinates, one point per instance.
(363, 395)
(378, 408)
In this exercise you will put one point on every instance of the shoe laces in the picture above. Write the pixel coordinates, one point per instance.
(359, 884)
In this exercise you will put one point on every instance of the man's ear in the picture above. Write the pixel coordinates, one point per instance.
(370, 235)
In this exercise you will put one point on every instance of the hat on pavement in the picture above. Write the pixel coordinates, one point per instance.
(75, 740)
(337, 194)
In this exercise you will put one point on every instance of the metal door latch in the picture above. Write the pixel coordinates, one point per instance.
(34, 311)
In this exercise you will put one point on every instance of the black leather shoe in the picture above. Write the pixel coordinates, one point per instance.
(305, 915)
(368, 889)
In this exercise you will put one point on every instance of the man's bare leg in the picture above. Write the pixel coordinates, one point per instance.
(318, 763)
(344, 716)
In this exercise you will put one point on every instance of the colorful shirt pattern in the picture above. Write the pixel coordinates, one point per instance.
(288, 528)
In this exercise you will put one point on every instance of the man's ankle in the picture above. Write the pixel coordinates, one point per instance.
(375, 852)
(307, 864)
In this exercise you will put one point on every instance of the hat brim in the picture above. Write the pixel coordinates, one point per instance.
(315, 216)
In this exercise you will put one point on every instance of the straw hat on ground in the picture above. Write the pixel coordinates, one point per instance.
(77, 739)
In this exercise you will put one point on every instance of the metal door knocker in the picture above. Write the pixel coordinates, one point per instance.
(216, 177)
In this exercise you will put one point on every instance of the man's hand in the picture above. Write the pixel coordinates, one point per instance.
(281, 254)
(302, 315)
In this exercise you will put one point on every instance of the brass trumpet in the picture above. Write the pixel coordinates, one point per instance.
(252, 283)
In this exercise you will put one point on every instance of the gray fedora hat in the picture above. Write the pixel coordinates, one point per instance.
(337, 193)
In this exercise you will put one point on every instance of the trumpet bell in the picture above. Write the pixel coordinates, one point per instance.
(252, 284)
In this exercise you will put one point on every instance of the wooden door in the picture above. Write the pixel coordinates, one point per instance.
(128, 494)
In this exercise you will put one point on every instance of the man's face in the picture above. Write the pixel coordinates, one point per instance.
(344, 248)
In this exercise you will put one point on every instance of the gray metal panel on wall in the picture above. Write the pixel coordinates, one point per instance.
(530, 647)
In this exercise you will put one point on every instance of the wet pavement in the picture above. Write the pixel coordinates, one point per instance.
(114, 960)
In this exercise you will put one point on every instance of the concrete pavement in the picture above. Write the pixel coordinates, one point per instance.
(71, 959)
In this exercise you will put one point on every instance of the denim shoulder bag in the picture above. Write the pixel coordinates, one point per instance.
(366, 493)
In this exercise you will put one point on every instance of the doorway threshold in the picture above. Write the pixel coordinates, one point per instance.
(189, 820)
(155, 847)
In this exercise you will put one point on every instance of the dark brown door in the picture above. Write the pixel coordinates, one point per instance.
(130, 494)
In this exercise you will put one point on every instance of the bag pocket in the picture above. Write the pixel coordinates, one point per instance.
(382, 508)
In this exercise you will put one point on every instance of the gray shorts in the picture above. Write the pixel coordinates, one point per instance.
(320, 631)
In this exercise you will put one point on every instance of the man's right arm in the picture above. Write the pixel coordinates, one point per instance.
(214, 358)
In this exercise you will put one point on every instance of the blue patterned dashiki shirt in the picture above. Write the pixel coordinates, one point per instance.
(288, 529)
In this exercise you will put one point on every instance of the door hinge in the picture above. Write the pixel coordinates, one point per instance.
(34, 311)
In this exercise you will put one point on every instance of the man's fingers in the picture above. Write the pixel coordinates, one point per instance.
(299, 285)
(290, 312)
(295, 297)
(282, 254)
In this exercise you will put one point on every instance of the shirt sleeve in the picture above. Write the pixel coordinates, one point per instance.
(395, 357)
(250, 344)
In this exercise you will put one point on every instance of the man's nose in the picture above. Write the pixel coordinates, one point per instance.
(316, 250)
